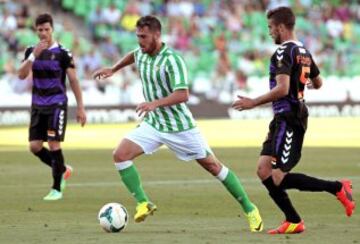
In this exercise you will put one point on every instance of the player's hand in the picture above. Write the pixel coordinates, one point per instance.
(41, 46)
(81, 116)
(243, 103)
(145, 108)
(310, 85)
(103, 73)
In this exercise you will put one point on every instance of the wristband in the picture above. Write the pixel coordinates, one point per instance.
(31, 57)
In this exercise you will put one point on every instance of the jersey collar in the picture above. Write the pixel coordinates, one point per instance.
(293, 41)
(54, 45)
(163, 48)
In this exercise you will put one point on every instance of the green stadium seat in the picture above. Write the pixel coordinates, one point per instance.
(81, 8)
(68, 4)
(26, 37)
(66, 39)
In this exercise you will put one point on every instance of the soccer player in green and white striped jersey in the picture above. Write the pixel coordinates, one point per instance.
(167, 121)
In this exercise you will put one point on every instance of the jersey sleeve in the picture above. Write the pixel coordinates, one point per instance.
(314, 70)
(283, 61)
(28, 51)
(177, 71)
(68, 60)
(136, 52)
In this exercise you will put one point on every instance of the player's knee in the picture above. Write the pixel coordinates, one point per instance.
(212, 165)
(277, 179)
(54, 147)
(263, 172)
(34, 148)
(121, 155)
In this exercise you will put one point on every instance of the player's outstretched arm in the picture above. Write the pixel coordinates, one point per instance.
(280, 90)
(74, 83)
(107, 72)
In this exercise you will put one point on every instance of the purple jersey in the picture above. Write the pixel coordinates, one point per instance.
(49, 76)
(292, 59)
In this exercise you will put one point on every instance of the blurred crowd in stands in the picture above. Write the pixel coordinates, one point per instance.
(224, 42)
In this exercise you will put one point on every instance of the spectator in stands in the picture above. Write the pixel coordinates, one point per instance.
(23, 17)
(331, 27)
(95, 19)
(111, 16)
(18, 86)
(7, 21)
(92, 60)
(130, 16)
(109, 50)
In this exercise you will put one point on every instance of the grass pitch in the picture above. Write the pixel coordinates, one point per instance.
(193, 206)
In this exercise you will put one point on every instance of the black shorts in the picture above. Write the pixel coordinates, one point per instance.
(285, 139)
(48, 124)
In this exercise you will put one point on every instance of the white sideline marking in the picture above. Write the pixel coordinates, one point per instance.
(167, 182)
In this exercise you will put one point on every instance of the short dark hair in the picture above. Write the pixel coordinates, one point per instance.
(44, 18)
(150, 21)
(282, 15)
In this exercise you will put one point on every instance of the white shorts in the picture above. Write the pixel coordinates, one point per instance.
(187, 145)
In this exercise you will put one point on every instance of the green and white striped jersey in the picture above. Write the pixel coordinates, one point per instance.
(161, 75)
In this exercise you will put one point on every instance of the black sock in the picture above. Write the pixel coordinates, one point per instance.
(58, 168)
(282, 200)
(307, 183)
(45, 156)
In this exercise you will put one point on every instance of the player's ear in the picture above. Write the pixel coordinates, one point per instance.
(157, 34)
(282, 27)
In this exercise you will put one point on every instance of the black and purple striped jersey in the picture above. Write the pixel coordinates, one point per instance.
(293, 59)
(49, 75)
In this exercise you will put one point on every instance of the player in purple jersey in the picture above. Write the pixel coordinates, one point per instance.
(291, 68)
(49, 63)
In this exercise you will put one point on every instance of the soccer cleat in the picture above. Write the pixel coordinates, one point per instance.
(66, 175)
(62, 184)
(53, 195)
(255, 221)
(345, 197)
(289, 228)
(68, 172)
(143, 210)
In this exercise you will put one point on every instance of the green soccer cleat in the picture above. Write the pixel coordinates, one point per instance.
(143, 210)
(255, 221)
(53, 195)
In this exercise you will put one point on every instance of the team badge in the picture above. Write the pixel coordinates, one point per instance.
(52, 56)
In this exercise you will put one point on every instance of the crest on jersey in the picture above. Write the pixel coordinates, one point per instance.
(52, 57)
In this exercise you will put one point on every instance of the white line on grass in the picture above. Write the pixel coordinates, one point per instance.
(165, 182)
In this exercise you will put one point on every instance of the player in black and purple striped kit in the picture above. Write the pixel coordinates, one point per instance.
(49, 63)
(291, 68)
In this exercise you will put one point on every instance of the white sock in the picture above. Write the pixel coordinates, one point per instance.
(123, 165)
(223, 173)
